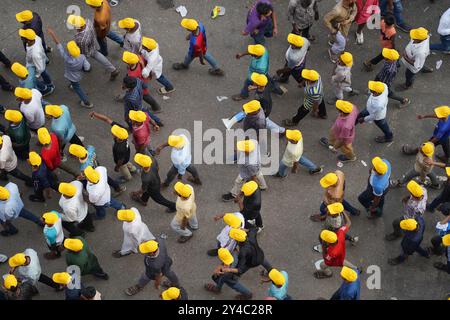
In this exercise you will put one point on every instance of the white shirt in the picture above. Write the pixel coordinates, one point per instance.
(99, 193)
(224, 238)
(132, 41)
(444, 24)
(8, 158)
(377, 105)
(418, 52)
(154, 62)
(296, 57)
(293, 153)
(75, 208)
(33, 111)
(36, 56)
(31, 272)
(134, 233)
(181, 158)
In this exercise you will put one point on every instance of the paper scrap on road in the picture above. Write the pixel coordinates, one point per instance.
(426, 9)
(364, 163)
(438, 64)
(217, 11)
(340, 164)
(390, 144)
(221, 98)
(166, 98)
(182, 11)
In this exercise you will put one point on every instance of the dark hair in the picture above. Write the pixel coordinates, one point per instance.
(389, 19)
(130, 82)
(88, 292)
(263, 8)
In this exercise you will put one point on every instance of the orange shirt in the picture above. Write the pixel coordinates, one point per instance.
(387, 35)
(102, 20)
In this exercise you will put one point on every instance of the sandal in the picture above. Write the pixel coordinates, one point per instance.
(321, 275)
(163, 90)
(406, 102)
(408, 150)
(131, 291)
(211, 288)
(179, 66)
(289, 123)
(216, 72)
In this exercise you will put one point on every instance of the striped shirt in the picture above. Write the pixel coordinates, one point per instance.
(85, 39)
(313, 93)
(387, 73)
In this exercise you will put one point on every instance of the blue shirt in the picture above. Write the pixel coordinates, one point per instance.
(378, 182)
(348, 290)
(10, 209)
(91, 159)
(442, 129)
(63, 126)
(31, 81)
(280, 293)
(41, 178)
(259, 65)
(51, 234)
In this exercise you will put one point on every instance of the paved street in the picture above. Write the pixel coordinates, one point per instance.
(289, 234)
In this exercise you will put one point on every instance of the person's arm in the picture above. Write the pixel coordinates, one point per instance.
(275, 22)
(316, 11)
(48, 192)
(348, 222)
(427, 116)
(218, 217)
(86, 65)
(153, 123)
(390, 6)
(99, 116)
(446, 220)
(158, 279)
(291, 14)
(160, 148)
(240, 55)
(375, 203)
(328, 18)
(393, 41)
(52, 34)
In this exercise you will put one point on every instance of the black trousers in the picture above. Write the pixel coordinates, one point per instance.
(377, 59)
(156, 196)
(5, 60)
(173, 173)
(74, 227)
(75, 139)
(302, 112)
(17, 174)
(437, 246)
(4, 84)
(152, 102)
(48, 281)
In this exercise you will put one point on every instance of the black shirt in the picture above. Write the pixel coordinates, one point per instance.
(121, 150)
(159, 264)
(250, 254)
(252, 205)
(151, 180)
(265, 98)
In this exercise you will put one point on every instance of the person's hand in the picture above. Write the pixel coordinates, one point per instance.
(157, 151)
(275, 31)
(244, 33)
(420, 117)
(238, 56)
(91, 114)
(294, 169)
(80, 177)
(428, 161)
(156, 128)
(217, 218)
(202, 61)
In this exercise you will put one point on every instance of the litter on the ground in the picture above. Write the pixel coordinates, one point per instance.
(182, 11)
(221, 98)
(438, 64)
(217, 11)
(166, 98)
(340, 164)
(364, 163)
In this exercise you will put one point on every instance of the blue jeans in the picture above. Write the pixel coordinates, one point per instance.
(46, 78)
(347, 207)
(113, 203)
(209, 58)
(165, 82)
(79, 91)
(283, 170)
(232, 282)
(443, 46)
(398, 9)
(104, 45)
(266, 32)
(24, 213)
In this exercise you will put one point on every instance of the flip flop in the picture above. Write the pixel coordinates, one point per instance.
(405, 104)
(321, 275)
(163, 90)
(131, 291)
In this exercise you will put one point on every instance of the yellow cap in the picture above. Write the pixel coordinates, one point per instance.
(347, 58)
(251, 106)
(415, 189)
(53, 110)
(171, 294)
(249, 188)
(232, 220)
(442, 112)
(349, 274)
(74, 49)
(4, 194)
(259, 79)
(446, 240)
(127, 23)
(126, 215)
(390, 54)
(23, 93)
(256, 50)
(119, 132)
(225, 256)
(148, 247)
(77, 151)
(67, 189)
(28, 34)
(75, 245)
(10, 281)
(277, 277)
(295, 135)
(34, 158)
(418, 34)
(94, 3)
(1, 140)
(189, 24)
(182, 189)
(328, 236)
(379, 165)
(91, 174)
(376, 86)
(238, 234)
(138, 116)
(176, 141)
(447, 171)
(330, 179)
(19, 70)
(76, 21)
(408, 224)
(311, 75)
(143, 160)
(17, 260)
(149, 43)
(428, 148)
(13, 116)
(50, 217)
(130, 57)
(24, 16)
(246, 145)
(296, 40)
(344, 106)
(335, 208)
(44, 136)
(62, 278)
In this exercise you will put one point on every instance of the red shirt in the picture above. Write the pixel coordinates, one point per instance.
(141, 134)
(137, 73)
(334, 254)
(51, 155)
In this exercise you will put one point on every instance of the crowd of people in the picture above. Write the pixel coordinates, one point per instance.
(66, 229)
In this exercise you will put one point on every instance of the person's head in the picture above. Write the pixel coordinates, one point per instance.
(149, 44)
(73, 245)
(249, 188)
(427, 149)
(264, 10)
(62, 278)
(53, 111)
(348, 274)
(310, 76)
(277, 278)
(128, 24)
(149, 248)
(129, 83)
(19, 70)
(418, 35)
(15, 117)
(295, 41)
(92, 175)
(88, 293)
(119, 134)
(137, 118)
(225, 256)
(294, 136)
(44, 137)
(19, 260)
(190, 25)
(23, 95)
(335, 209)
(256, 50)
(10, 283)
(346, 59)
(24, 17)
(232, 220)
(67, 190)
(35, 160)
(172, 293)
(390, 55)
(389, 20)
(77, 22)
(344, 107)
(4, 194)
(176, 141)
(329, 180)
(252, 107)
(126, 215)
(78, 151)
(238, 234)
(144, 161)
(410, 225)
(376, 88)
(328, 238)
(184, 191)
(379, 166)
(415, 190)
(246, 146)
(442, 112)
(131, 59)
(95, 4)
(50, 218)
(259, 80)
(73, 49)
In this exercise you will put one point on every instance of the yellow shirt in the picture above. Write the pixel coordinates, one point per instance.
(186, 208)
(293, 153)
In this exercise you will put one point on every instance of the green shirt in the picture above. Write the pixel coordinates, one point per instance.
(84, 259)
(19, 134)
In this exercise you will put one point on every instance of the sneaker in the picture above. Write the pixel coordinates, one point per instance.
(359, 38)
(289, 123)
(383, 139)
(260, 229)
(317, 170)
(344, 158)
(34, 198)
(238, 97)
(81, 138)
(121, 190)
(114, 74)
(354, 240)
(368, 66)
(317, 248)
(179, 66)
(216, 72)
(426, 69)
(49, 91)
(228, 197)
(88, 105)
(184, 239)
(101, 275)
